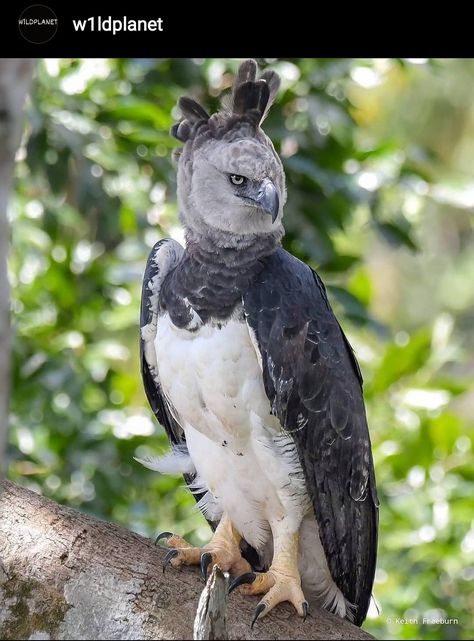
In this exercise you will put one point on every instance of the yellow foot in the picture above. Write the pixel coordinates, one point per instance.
(277, 587)
(219, 551)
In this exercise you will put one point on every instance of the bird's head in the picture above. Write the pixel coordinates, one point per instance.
(231, 183)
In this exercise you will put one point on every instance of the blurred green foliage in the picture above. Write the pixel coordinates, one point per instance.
(378, 156)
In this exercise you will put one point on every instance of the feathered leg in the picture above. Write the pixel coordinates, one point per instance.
(282, 582)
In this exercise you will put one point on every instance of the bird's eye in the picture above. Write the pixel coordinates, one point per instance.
(237, 180)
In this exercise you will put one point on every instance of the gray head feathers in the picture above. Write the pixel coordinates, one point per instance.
(229, 174)
(247, 105)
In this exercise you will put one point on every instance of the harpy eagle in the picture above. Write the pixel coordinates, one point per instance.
(248, 370)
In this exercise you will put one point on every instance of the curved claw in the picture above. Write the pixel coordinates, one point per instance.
(163, 535)
(247, 577)
(206, 560)
(304, 605)
(167, 560)
(258, 611)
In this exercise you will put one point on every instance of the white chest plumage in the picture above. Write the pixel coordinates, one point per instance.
(213, 381)
(212, 378)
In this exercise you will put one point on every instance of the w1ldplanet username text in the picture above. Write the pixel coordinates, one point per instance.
(117, 25)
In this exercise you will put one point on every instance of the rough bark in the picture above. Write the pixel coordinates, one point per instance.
(15, 75)
(67, 575)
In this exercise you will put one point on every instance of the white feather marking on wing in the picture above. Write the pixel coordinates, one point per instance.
(317, 582)
(196, 321)
(207, 504)
(254, 341)
(198, 486)
(148, 336)
(166, 256)
(209, 507)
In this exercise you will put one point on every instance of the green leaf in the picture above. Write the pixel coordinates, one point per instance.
(139, 110)
(401, 360)
(395, 235)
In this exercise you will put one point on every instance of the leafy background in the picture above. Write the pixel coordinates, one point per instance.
(378, 156)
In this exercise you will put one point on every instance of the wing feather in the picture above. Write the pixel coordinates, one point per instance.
(164, 256)
(314, 385)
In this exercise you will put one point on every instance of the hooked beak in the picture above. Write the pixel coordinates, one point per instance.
(263, 195)
(267, 198)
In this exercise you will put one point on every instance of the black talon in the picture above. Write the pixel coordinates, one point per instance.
(206, 560)
(169, 555)
(258, 611)
(247, 577)
(163, 535)
(304, 605)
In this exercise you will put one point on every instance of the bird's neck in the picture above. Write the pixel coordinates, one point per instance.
(241, 253)
(214, 279)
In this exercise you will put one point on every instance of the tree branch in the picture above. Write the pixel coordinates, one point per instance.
(67, 575)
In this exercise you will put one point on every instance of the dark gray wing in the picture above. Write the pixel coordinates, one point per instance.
(314, 386)
(164, 256)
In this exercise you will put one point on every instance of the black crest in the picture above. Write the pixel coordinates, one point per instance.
(253, 97)
(250, 101)
(193, 113)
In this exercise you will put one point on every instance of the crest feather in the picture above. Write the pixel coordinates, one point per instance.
(249, 94)
(249, 102)
(192, 110)
(192, 113)
(247, 73)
